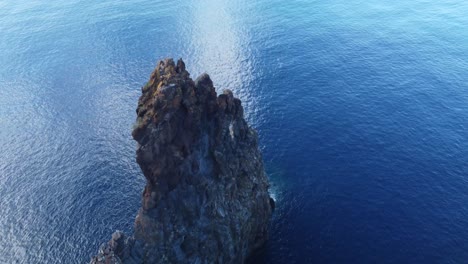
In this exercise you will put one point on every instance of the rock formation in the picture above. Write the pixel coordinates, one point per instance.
(206, 199)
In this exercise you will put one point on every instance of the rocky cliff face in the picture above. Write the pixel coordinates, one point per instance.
(206, 199)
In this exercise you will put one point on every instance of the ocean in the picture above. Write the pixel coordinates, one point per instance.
(361, 109)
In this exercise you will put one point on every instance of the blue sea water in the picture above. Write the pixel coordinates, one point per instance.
(361, 109)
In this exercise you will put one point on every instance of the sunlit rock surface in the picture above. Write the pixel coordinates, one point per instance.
(206, 199)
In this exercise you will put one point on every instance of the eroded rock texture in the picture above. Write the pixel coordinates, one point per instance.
(206, 199)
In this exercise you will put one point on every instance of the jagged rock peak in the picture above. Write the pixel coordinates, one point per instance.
(206, 199)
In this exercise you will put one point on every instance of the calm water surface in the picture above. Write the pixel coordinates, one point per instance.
(361, 108)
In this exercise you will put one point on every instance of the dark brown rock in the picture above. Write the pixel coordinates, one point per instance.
(206, 199)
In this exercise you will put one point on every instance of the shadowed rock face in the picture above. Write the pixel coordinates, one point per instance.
(206, 199)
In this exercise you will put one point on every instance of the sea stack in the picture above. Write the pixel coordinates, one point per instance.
(206, 198)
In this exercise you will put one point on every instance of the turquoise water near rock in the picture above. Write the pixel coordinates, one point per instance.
(361, 109)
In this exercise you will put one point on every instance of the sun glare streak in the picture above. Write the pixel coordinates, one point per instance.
(221, 48)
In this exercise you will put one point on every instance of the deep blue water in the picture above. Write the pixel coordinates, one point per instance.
(361, 108)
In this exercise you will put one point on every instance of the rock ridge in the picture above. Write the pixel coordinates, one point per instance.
(206, 199)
